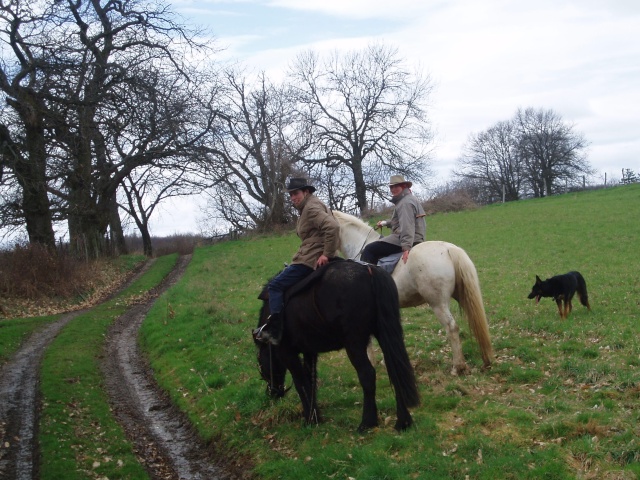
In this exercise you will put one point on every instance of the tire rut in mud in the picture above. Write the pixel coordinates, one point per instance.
(163, 437)
(19, 398)
(19, 403)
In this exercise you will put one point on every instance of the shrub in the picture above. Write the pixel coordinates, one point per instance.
(452, 201)
(34, 271)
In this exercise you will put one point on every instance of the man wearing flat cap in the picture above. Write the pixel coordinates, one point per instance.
(320, 235)
(407, 223)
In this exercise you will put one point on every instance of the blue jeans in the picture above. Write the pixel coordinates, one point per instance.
(285, 279)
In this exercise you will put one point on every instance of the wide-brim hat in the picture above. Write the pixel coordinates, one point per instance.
(298, 184)
(398, 179)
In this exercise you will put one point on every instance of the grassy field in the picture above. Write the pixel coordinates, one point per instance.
(560, 401)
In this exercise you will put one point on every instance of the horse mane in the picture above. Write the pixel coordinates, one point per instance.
(350, 219)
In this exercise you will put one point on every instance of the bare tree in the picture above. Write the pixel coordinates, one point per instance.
(158, 137)
(126, 49)
(554, 154)
(23, 125)
(629, 176)
(492, 159)
(99, 90)
(146, 188)
(535, 152)
(253, 150)
(367, 112)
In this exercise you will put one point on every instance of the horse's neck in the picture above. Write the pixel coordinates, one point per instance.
(354, 239)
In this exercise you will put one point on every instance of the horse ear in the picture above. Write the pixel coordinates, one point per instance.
(264, 294)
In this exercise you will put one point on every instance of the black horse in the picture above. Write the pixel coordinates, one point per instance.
(340, 306)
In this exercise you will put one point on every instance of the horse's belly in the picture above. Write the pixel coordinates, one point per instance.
(413, 301)
(417, 287)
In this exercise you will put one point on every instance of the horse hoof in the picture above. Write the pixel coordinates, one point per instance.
(403, 425)
(313, 418)
(364, 427)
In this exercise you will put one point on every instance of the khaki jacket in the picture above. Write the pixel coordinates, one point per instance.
(318, 230)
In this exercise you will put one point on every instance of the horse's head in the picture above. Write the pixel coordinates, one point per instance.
(271, 369)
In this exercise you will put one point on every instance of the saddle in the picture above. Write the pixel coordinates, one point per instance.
(388, 263)
(309, 280)
(305, 283)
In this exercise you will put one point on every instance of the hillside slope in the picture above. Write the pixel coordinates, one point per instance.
(558, 403)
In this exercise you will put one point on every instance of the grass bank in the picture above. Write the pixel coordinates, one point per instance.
(559, 403)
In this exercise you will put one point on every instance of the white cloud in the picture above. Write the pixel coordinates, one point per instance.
(487, 59)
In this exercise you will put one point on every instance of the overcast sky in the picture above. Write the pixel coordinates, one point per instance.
(486, 59)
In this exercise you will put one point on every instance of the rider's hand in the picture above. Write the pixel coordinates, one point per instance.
(322, 260)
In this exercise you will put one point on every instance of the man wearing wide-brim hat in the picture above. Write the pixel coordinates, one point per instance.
(320, 235)
(399, 180)
(407, 223)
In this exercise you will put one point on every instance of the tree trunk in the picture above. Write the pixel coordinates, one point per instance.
(146, 241)
(31, 175)
(89, 199)
(360, 186)
(87, 220)
(118, 244)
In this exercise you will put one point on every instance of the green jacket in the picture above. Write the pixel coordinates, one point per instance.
(318, 230)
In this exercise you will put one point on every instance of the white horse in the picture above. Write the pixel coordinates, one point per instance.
(435, 273)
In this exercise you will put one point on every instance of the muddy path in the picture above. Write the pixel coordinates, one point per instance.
(19, 404)
(162, 436)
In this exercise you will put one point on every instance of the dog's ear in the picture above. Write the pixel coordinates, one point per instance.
(538, 279)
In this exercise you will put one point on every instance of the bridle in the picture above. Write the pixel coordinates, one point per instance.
(271, 387)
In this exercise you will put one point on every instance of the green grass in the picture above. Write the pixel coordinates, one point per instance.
(559, 402)
(14, 332)
(79, 437)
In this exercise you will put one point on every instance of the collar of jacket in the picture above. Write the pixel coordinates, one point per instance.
(396, 198)
(303, 203)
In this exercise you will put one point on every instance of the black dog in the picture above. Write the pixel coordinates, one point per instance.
(561, 288)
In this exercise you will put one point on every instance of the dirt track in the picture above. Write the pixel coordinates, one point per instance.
(163, 438)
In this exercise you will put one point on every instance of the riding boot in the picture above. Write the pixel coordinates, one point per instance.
(271, 332)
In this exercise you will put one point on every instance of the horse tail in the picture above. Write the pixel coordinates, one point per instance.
(391, 338)
(469, 297)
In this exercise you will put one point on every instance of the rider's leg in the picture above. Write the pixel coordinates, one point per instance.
(272, 331)
(378, 249)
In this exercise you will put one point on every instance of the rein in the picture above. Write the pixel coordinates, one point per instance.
(364, 244)
(270, 365)
(314, 389)
(270, 386)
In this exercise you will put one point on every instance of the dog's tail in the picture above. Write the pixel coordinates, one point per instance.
(582, 290)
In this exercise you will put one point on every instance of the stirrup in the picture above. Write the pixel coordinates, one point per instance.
(257, 333)
(263, 335)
